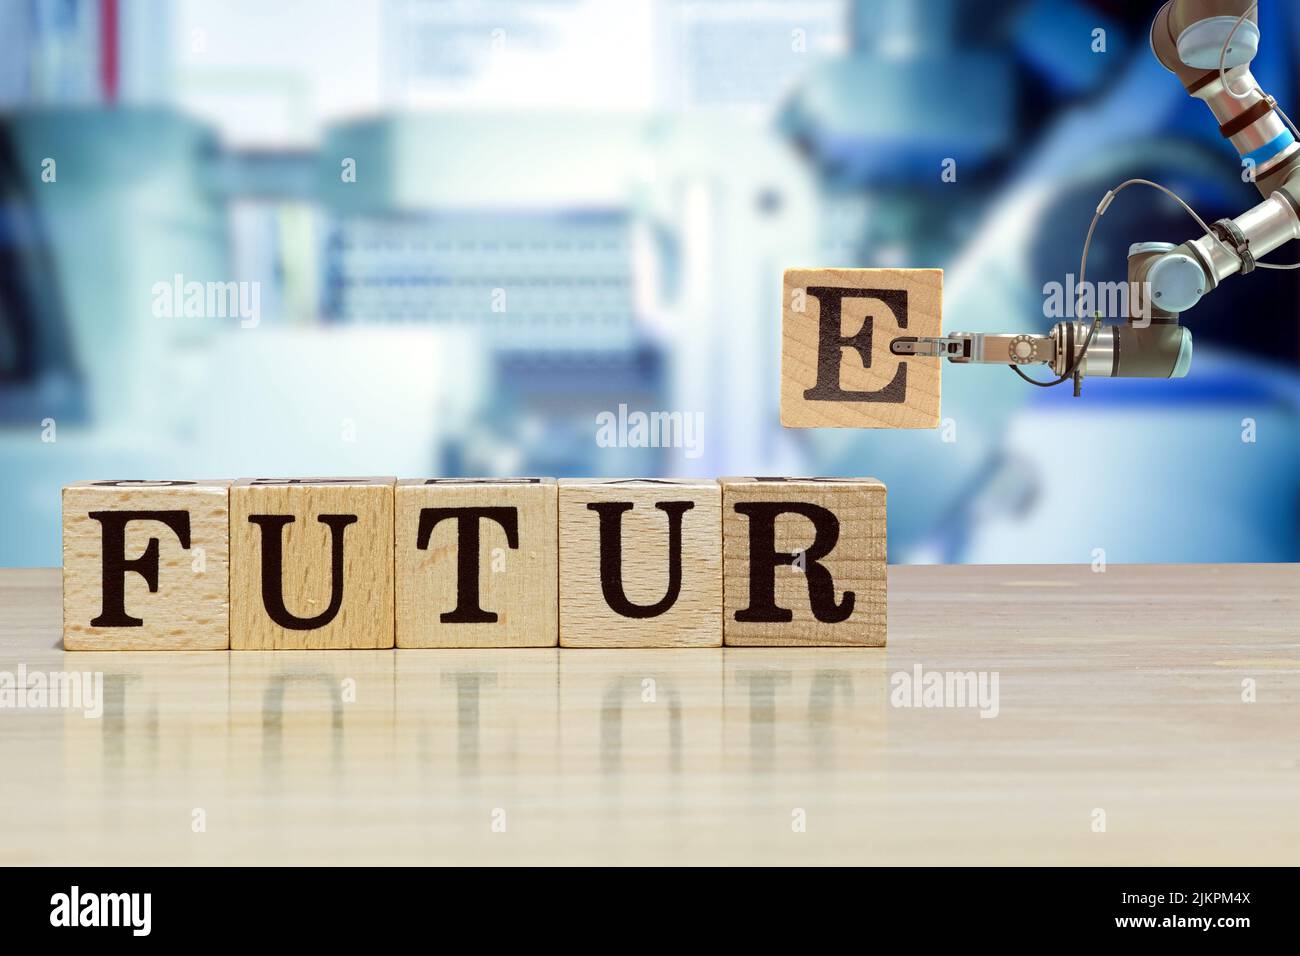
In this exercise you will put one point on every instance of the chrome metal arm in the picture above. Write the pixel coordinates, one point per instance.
(1208, 45)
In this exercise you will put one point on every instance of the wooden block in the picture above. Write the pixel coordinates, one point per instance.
(145, 565)
(803, 561)
(475, 562)
(837, 370)
(640, 563)
(311, 563)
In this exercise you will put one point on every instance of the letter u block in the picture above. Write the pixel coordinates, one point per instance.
(311, 563)
(476, 562)
(145, 565)
(640, 563)
(803, 562)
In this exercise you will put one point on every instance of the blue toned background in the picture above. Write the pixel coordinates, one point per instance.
(563, 207)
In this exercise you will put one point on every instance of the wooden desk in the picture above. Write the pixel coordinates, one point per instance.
(1119, 692)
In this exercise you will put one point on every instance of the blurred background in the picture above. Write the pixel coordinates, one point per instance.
(416, 237)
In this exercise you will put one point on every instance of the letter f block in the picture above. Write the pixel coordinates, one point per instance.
(640, 563)
(476, 562)
(145, 565)
(311, 563)
(803, 562)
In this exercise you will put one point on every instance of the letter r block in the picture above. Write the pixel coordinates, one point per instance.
(803, 562)
(837, 370)
(145, 565)
(475, 562)
(640, 563)
(311, 563)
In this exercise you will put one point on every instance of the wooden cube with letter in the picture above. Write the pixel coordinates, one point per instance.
(311, 563)
(640, 563)
(803, 562)
(475, 562)
(837, 369)
(145, 565)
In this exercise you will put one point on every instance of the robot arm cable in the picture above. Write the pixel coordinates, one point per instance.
(1223, 56)
(1223, 77)
(1102, 206)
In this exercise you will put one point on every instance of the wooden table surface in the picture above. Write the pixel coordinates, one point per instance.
(1121, 736)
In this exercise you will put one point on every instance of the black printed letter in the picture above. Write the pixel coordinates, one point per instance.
(611, 556)
(467, 609)
(831, 343)
(115, 563)
(764, 559)
(273, 570)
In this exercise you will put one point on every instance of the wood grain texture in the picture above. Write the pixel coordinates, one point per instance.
(362, 512)
(1121, 690)
(516, 564)
(905, 391)
(587, 618)
(843, 534)
(190, 608)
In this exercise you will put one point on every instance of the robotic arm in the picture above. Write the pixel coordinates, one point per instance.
(1208, 45)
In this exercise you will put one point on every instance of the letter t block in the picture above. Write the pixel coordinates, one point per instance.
(476, 562)
(311, 563)
(803, 562)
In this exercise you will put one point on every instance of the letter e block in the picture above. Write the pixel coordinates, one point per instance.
(837, 370)
(475, 562)
(146, 565)
(803, 562)
(640, 563)
(311, 563)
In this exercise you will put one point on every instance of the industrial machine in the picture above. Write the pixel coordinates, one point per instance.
(1208, 45)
